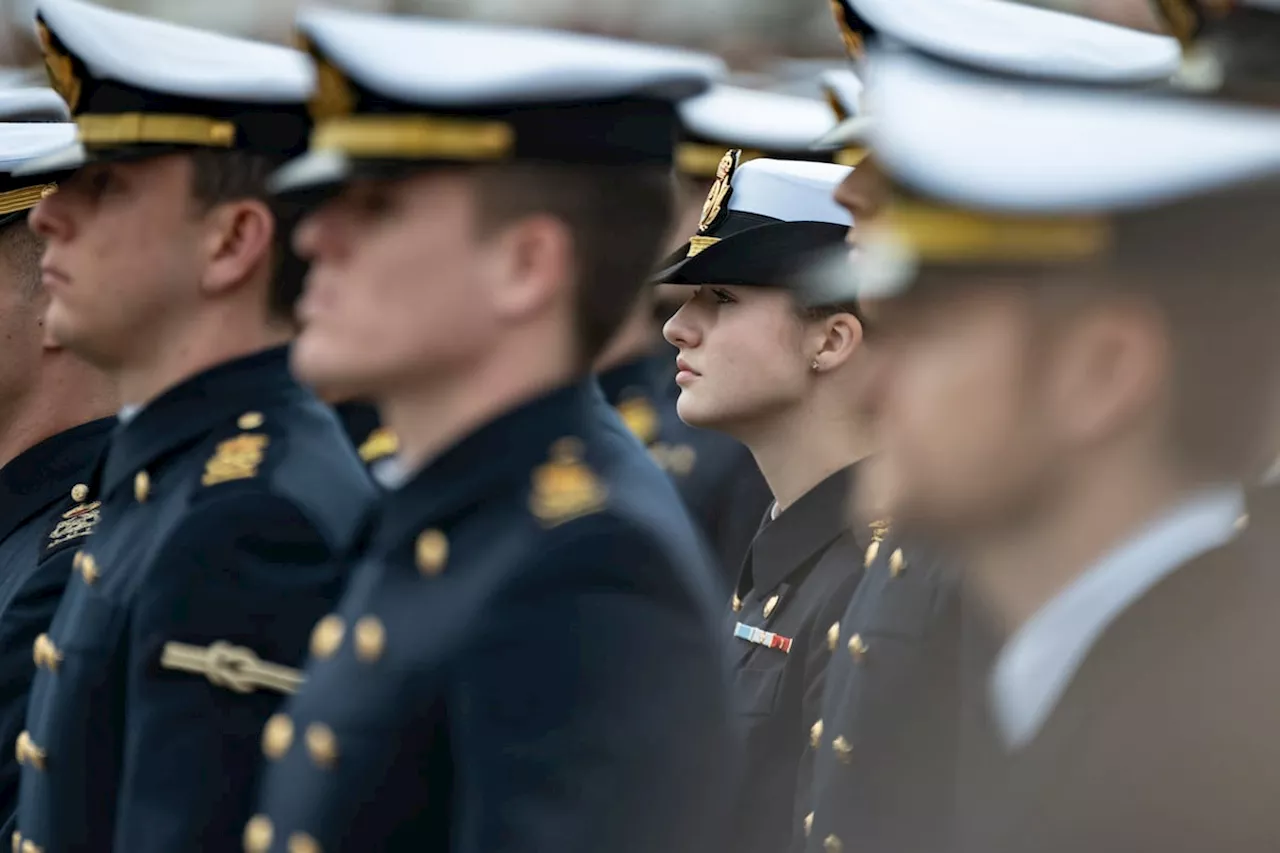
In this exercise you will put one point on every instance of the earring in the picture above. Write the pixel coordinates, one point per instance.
(814, 366)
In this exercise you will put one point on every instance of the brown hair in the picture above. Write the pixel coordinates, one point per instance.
(618, 216)
(223, 176)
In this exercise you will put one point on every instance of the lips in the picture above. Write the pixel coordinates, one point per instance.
(51, 275)
(684, 372)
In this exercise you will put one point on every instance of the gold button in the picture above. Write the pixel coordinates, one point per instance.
(432, 552)
(833, 636)
(250, 420)
(300, 842)
(371, 638)
(808, 824)
(326, 637)
(277, 737)
(872, 550)
(322, 744)
(46, 654)
(857, 648)
(897, 563)
(736, 604)
(141, 486)
(815, 734)
(843, 749)
(48, 190)
(832, 844)
(770, 606)
(27, 752)
(88, 568)
(29, 846)
(79, 492)
(258, 833)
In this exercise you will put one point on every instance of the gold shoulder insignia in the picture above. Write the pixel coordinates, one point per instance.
(565, 488)
(381, 443)
(76, 523)
(62, 72)
(639, 416)
(676, 459)
(235, 459)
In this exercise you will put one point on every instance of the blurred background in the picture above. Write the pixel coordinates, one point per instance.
(773, 43)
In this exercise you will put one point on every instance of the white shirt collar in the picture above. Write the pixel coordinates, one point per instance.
(1037, 663)
(127, 413)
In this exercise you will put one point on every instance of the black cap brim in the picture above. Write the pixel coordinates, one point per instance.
(773, 255)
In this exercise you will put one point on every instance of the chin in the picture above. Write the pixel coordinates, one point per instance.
(325, 371)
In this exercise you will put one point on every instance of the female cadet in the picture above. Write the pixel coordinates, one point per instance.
(756, 363)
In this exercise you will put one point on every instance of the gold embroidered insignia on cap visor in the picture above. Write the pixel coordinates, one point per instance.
(76, 523)
(62, 73)
(715, 207)
(565, 488)
(381, 443)
(334, 96)
(235, 459)
(639, 416)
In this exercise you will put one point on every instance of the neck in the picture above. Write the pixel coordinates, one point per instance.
(792, 467)
(67, 394)
(1018, 570)
(431, 416)
(219, 337)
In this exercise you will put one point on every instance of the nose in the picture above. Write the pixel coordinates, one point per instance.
(48, 218)
(682, 329)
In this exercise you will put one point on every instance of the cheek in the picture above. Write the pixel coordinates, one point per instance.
(751, 365)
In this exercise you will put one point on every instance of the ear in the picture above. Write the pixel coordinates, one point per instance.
(535, 263)
(835, 340)
(1116, 363)
(240, 239)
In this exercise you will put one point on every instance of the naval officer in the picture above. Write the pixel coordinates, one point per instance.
(526, 657)
(227, 490)
(55, 417)
(1075, 308)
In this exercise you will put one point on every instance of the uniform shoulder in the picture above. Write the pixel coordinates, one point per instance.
(296, 452)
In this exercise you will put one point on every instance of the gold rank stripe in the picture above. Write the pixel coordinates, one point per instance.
(945, 234)
(415, 137)
(234, 668)
(699, 244)
(104, 130)
(702, 160)
(26, 198)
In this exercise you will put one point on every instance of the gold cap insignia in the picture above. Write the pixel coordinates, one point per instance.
(381, 443)
(639, 416)
(62, 72)
(334, 96)
(715, 207)
(235, 459)
(76, 523)
(850, 29)
(565, 488)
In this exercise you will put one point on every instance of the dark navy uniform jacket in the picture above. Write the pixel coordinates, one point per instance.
(44, 515)
(889, 709)
(526, 660)
(224, 504)
(717, 477)
(802, 570)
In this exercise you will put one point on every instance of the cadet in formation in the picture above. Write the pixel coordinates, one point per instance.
(757, 363)
(717, 476)
(55, 410)
(526, 657)
(227, 490)
(1072, 388)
